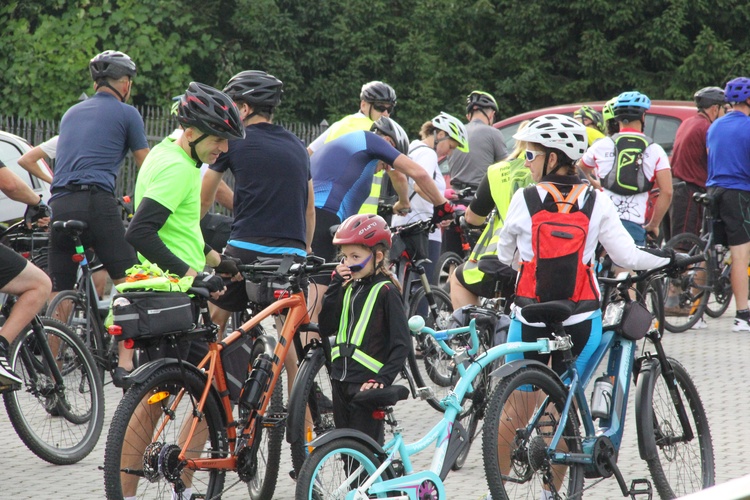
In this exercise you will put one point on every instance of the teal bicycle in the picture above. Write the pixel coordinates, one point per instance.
(545, 449)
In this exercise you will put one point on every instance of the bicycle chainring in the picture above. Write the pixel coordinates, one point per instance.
(427, 491)
(247, 464)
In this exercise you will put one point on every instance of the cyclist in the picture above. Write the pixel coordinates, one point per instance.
(629, 110)
(554, 143)
(593, 122)
(439, 138)
(608, 116)
(372, 340)
(19, 276)
(377, 99)
(45, 151)
(728, 144)
(690, 160)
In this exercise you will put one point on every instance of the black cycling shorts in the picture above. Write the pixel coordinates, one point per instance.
(484, 288)
(322, 244)
(11, 265)
(105, 235)
(686, 216)
(734, 210)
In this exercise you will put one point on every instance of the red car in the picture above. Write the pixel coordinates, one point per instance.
(662, 120)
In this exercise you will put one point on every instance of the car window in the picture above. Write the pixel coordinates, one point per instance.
(508, 132)
(664, 128)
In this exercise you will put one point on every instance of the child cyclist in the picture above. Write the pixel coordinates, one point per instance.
(363, 308)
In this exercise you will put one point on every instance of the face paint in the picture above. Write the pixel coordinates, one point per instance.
(358, 267)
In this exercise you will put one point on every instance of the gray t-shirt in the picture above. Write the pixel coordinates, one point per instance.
(486, 147)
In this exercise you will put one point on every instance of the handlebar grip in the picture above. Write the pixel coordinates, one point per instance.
(688, 259)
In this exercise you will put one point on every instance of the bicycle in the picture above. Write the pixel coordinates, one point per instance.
(375, 471)
(196, 439)
(703, 289)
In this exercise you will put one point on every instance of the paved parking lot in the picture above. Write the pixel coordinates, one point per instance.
(716, 359)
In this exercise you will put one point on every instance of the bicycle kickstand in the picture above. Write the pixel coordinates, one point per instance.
(638, 487)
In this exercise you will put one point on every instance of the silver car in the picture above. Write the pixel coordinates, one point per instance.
(11, 149)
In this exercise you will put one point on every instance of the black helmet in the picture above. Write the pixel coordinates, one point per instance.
(210, 111)
(480, 100)
(709, 96)
(111, 64)
(389, 127)
(378, 92)
(257, 88)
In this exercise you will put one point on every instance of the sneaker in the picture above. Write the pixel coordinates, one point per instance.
(8, 378)
(325, 405)
(120, 378)
(700, 325)
(741, 325)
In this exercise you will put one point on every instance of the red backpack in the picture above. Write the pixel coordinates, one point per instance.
(557, 271)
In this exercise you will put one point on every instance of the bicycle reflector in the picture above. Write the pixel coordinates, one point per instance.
(280, 294)
(77, 257)
(158, 397)
(128, 343)
(378, 415)
(115, 330)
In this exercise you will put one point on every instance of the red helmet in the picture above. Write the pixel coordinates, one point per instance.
(363, 229)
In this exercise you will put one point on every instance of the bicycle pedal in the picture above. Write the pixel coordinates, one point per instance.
(274, 420)
(425, 393)
(639, 487)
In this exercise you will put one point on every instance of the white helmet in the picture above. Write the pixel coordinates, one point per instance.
(556, 132)
(454, 128)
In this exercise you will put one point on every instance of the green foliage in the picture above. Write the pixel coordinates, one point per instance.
(433, 52)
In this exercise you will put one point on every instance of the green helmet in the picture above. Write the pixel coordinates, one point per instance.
(608, 113)
(454, 128)
(591, 114)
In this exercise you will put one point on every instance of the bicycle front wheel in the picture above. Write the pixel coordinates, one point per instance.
(149, 430)
(446, 266)
(681, 466)
(337, 468)
(524, 411)
(59, 422)
(687, 295)
(721, 294)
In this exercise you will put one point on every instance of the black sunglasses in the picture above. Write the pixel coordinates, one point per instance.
(383, 107)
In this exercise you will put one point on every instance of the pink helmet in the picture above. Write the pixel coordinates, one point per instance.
(363, 229)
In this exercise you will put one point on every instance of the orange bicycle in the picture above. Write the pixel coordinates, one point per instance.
(175, 431)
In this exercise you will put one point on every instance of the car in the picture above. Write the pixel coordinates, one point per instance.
(662, 120)
(11, 149)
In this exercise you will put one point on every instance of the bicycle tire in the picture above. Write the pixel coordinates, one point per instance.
(685, 298)
(310, 484)
(60, 426)
(69, 307)
(445, 267)
(657, 422)
(270, 445)
(653, 297)
(305, 394)
(721, 294)
(129, 425)
(525, 479)
(438, 366)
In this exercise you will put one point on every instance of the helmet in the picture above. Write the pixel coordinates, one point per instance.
(389, 127)
(631, 105)
(175, 108)
(591, 114)
(479, 99)
(378, 92)
(111, 64)
(607, 112)
(556, 132)
(737, 90)
(210, 111)
(709, 96)
(454, 128)
(363, 229)
(255, 88)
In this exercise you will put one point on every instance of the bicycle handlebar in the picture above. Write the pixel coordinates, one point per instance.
(413, 228)
(290, 267)
(679, 264)
(417, 325)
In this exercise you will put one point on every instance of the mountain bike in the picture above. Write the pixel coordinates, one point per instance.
(705, 288)
(175, 431)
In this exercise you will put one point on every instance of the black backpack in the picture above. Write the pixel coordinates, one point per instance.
(627, 176)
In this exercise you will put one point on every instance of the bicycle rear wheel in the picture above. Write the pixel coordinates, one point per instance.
(148, 432)
(721, 294)
(524, 410)
(58, 423)
(446, 266)
(680, 466)
(686, 296)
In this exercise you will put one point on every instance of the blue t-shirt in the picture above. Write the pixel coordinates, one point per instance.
(271, 168)
(95, 136)
(342, 171)
(728, 144)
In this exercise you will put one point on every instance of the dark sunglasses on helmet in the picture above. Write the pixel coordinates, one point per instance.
(382, 108)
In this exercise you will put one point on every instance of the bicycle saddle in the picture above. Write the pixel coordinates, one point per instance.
(549, 313)
(70, 226)
(379, 398)
(702, 198)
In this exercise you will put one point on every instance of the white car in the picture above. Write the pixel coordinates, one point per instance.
(11, 149)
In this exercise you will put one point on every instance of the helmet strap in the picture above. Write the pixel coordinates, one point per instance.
(194, 153)
(105, 83)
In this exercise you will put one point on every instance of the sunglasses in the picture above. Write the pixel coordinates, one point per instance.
(531, 155)
(382, 108)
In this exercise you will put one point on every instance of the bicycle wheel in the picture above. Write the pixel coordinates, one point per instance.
(148, 432)
(329, 471)
(58, 423)
(515, 438)
(312, 397)
(680, 467)
(687, 295)
(474, 415)
(653, 297)
(70, 308)
(721, 293)
(267, 457)
(446, 265)
(436, 369)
